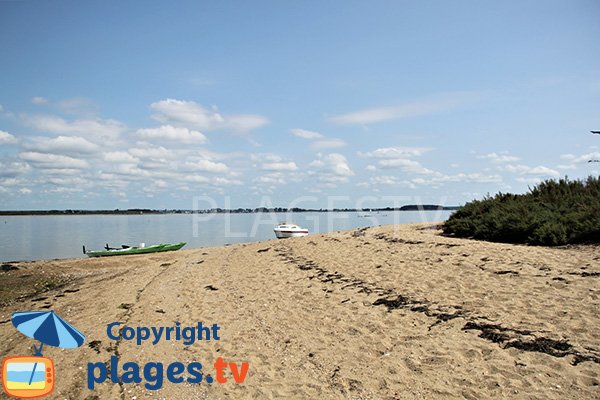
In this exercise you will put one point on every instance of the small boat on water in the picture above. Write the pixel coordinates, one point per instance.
(128, 250)
(286, 230)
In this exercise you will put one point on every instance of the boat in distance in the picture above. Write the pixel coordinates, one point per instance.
(129, 250)
(286, 230)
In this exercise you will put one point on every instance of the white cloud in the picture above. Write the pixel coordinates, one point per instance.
(152, 152)
(594, 155)
(194, 179)
(304, 134)
(53, 161)
(279, 166)
(498, 158)
(12, 169)
(206, 166)
(390, 180)
(194, 115)
(266, 157)
(327, 144)
(394, 152)
(120, 157)
(71, 181)
(371, 168)
(94, 129)
(7, 138)
(64, 190)
(274, 178)
(331, 168)
(221, 181)
(25, 191)
(186, 112)
(432, 105)
(171, 133)
(405, 165)
(62, 145)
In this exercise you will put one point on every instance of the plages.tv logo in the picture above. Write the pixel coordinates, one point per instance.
(27, 377)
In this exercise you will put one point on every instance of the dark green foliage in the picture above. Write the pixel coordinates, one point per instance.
(553, 213)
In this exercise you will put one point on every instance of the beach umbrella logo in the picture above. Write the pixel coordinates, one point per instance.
(33, 376)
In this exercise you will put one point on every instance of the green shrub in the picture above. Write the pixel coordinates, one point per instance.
(553, 213)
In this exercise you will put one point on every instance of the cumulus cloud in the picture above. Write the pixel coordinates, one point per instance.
(527, 170)
(279, 166)
(222, 181)
(98, 130)
(206, 166)
(11, 169)
(305, 134)
(498, 158)
(320, 141)
(331, 168)
(389, 180)
(405, 165)
(594, 155)
(172, 133)
(195, 116)
(265, 157)
(53, 161)
(7, 138)
(62, 145)
(152, 152)
(274, 178)
(120, 157)
(394, 152)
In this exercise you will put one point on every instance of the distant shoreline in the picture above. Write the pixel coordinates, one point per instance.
(138, 211)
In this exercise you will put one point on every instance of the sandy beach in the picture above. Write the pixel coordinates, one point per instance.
(379, 313)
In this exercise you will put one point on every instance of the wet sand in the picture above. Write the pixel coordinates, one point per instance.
(382, 313)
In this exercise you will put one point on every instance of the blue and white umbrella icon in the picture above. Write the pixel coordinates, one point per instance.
(48, 328)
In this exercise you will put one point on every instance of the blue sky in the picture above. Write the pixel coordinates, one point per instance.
(108, 104)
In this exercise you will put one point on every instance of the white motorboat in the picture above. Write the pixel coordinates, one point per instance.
(286, 230)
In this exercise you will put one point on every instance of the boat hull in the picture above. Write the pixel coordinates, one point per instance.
(157, 248)
(284, 234)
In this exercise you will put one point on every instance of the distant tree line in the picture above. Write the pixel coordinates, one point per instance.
(133, 211)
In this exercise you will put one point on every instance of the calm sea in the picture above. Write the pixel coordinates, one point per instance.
(48, 237)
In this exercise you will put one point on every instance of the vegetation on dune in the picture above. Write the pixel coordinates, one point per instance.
(553, 213)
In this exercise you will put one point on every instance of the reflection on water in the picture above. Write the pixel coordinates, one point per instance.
(62, 236)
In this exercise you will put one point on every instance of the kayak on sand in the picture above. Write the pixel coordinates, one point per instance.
(127, 250)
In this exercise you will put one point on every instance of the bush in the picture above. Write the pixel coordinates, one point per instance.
(553, 213)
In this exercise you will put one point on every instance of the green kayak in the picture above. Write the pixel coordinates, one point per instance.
(126, 250)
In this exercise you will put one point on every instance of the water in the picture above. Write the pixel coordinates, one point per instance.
(62, 236)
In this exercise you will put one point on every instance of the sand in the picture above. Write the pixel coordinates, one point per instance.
(383, 313)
